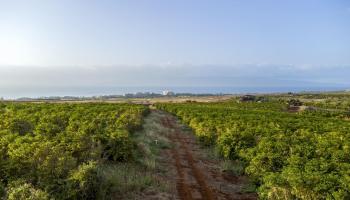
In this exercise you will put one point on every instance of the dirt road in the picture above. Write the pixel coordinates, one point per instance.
(198, 176)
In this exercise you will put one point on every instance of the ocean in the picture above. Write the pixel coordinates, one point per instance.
(32, 92)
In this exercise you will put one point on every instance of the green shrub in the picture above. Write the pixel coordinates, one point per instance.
(84, 182)
(25, 191)
(288, 156)
(2, 190)
(20, 126)
(43, 144)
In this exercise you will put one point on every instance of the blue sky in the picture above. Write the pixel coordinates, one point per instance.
(289, 39)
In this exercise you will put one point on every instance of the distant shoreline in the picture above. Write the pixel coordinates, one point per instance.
(151, 96)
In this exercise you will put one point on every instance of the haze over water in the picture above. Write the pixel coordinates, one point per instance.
(98, 91)
(86, 48)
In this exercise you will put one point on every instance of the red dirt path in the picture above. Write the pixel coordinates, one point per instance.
(197, 176)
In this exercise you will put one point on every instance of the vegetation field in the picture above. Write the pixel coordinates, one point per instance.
(69, 151)
(302, 155)
(285, 146)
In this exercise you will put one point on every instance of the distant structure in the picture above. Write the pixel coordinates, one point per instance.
(168, 93)
(247, 98)
(141, 95)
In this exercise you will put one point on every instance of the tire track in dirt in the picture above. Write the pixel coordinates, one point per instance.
(185, 192)
(182, 188)
(204, 189)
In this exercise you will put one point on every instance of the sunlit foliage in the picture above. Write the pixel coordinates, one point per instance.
(301, 155)
(56, 150)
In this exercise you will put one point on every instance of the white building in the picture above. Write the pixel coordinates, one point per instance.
(168, 93)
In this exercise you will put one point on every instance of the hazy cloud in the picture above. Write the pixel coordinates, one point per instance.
(179, 75)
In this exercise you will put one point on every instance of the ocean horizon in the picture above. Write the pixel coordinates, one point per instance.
(35, 92)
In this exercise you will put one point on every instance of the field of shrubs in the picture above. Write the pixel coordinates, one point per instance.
(65, 151)
(302, 155)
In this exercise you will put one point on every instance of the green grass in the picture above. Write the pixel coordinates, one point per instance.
(128, 180)
(122, 180)
(150, 141)
(233, 167)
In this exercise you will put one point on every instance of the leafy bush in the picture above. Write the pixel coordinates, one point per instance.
(20, 126)
(25, 191)
(2, 190)
(84, 182)
(58, 148)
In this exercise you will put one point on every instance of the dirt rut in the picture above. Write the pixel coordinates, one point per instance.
(197, 176)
